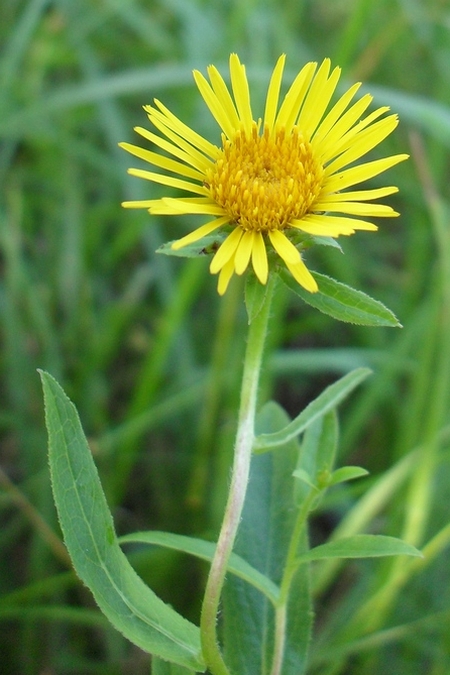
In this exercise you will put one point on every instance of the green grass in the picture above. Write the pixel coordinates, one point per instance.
(83, 295)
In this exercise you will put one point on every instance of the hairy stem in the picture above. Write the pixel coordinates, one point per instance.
(238, 487)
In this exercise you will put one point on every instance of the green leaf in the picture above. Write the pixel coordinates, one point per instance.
(160, 667)
(343, 302)
(325, 402)
(316, 459)
(304, 476)
(205, 550)
(327, 241)
(89, 535)
(346, 473)
(264, 535)
(327, 441)
(206, 246)
(360, 546)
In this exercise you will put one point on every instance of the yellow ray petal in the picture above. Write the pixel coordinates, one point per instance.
(139, 204)
(185, 143)
(331, 226)
(243, 252)
(168, 180)
(171, 207)
(226, 250)
(327, 145)
(195, 206)
(285, 248)
(241, 92)
(214, 104)
(335, 113)
(294, 98)
(322, 230)
(224, 277)
(223, 94)
(336, 144)
(303, 276)
(365, 122)
(181, 129)
(363, 143)
(355, 195)
(190, 155)
(163, 162)
(259, 258)
(362, 172)
(182, 205)
(199, 233)
(273, 93)
(342, 222)
(318, 98)
(357, 209)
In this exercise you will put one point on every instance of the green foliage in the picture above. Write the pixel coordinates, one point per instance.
(346, 473)
(360, 546)
(325, 402)
(205, 550)
(342, 302)
(89, 535)
(140, 615)
(160, 667)
(255, 294)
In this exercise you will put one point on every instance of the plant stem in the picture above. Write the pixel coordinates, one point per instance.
(288, 575)
(280, 638)
(239, 480)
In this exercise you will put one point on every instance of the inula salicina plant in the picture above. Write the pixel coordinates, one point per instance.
(270, 188)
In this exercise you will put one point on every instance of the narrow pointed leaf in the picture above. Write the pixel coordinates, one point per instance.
(360, 546)
(343, 302)
(327, 241)
(89, 535)
(325, 402)
(205, 550)
(347, 473)
(304, 476)
(317, 452)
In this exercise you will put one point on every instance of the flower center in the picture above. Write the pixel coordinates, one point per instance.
(265, 182)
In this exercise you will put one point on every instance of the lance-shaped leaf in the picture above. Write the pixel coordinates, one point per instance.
(89, 534)
(361, 546)
(325, 402)
(205, 550)
(343, 302)
(346, 473)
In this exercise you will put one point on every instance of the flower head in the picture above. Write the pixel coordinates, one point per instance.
(274, 183)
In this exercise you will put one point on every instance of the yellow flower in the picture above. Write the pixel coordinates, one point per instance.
(273, 178)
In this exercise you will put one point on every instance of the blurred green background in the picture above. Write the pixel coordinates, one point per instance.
(152, 356)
